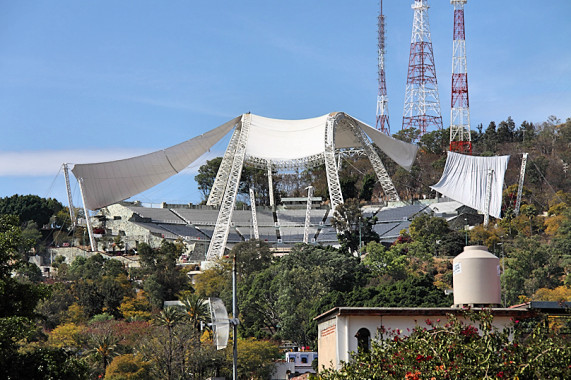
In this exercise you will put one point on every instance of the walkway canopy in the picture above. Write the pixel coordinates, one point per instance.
(272, 140)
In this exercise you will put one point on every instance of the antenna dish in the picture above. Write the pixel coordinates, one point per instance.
(220, 322)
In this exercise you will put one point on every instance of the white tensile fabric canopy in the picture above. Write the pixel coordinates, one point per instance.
(109, 182)
(283, 140)
(465, 179)
(268, 139)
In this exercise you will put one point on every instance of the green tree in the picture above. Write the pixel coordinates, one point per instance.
(305, 276)
(175, 348)
(369, 181)
(407, 134)
(435, 142)
(163, 280)
(256, 358)
(196, 310)
(529, 266)
(216, 281)
(30, 208)
(258, 297)
(18, 318)
(385, 262)
(506, 130)
(99, 284)
(206, 176)
(103, 348)
(429, 230)
(353, 230)
(250, 177)
(251, 257)
(490, 138)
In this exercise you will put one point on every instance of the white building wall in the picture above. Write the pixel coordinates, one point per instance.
(347, 327)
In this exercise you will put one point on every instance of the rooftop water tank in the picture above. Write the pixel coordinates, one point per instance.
(476, 278)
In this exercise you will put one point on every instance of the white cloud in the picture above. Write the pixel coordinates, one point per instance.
(49, 162)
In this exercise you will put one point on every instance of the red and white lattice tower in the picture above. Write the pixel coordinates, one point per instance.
(382, 98)
(460, 137)
(421, 103)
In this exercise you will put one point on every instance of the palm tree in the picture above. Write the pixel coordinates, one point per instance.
(169, 317)
(197, 310)
(103, 348)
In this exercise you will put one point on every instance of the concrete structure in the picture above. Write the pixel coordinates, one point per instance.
(343, 330)
(281, 228)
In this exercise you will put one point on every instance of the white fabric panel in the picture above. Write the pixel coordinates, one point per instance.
(344, 135)
(110, 182)
(465, 177)
(282, 140)
(401, 152)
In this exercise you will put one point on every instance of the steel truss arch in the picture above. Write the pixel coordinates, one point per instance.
(222, 228)
(380, 170)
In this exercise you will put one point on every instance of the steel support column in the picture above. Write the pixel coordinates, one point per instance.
(217, 191)
(69, 198)
(488, 198)
(222, 228)
(520, 183)
(307, 215)
(86, 211)
(330, 166)
(271, 184)
(380, 170)
(254, 216)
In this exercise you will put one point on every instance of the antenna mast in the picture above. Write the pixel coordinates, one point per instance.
(460, 136)
(382, 98)
(421, 103)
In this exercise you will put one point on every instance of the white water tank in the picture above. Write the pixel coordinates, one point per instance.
(476, 278)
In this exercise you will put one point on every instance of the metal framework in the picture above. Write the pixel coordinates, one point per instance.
(460, 135)
(307, 215)
(254, 217)
(235, 158)
(87, 220)
(382, 174)
(222, 228)
(488, 198)
(520, 183)
(330, 165)
(298, 163)
(69, 198)
(421, 103)
(271, 184)
(382, 98)
(217, 191)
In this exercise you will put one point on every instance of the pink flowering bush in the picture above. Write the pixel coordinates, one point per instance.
(459, 350)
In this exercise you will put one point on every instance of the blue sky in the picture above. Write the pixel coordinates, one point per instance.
(89, 81)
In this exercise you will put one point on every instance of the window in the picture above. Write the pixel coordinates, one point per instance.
(363, 340)
(304, 359)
